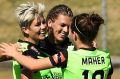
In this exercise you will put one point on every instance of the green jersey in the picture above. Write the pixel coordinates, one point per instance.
(30, 49)
(87, 64)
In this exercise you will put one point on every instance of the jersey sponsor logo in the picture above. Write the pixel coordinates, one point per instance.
(46, 77)
(33, 48)
(57, 75)
(93, 60)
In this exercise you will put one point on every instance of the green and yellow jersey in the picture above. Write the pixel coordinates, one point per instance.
(85, 63)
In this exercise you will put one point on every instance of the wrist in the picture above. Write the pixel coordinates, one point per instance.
(16, 54)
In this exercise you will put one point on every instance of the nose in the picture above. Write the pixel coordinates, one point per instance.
(66, 29)
(43, 26)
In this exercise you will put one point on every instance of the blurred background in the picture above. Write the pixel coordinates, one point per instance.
(109, 34)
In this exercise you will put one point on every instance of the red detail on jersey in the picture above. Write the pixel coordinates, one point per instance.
(61, 56)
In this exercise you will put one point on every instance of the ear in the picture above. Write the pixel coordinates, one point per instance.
(49, 23)
(25, 30)
(75, 36)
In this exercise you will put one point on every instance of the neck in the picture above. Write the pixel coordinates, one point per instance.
(52, 40)
(30, 40)
(80, 44)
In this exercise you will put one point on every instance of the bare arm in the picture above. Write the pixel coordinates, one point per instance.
(26, 73)
(6, 58)
(33, 64)
(30, 63)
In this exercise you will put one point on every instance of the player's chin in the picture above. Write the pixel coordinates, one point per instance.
(42, 37)
(62, 39)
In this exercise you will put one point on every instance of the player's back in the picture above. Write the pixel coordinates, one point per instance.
(87, 64)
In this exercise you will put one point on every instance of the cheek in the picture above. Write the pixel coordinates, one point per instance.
(58, 31)
(55, 29)
(59, 28)
(36, 29)
(34, 33)
(71, 34)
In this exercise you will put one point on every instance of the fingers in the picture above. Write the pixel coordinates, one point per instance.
(1, 50)
(2, 53)
(94, 44)
(17, 45)
(6, 49)
(4, 45)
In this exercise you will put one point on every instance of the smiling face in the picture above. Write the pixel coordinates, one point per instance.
(37, 30)
(60, 27)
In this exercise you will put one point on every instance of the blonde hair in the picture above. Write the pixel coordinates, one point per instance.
(26, 13)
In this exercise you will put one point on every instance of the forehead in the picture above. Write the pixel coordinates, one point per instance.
(63, 19)
(38, 18)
